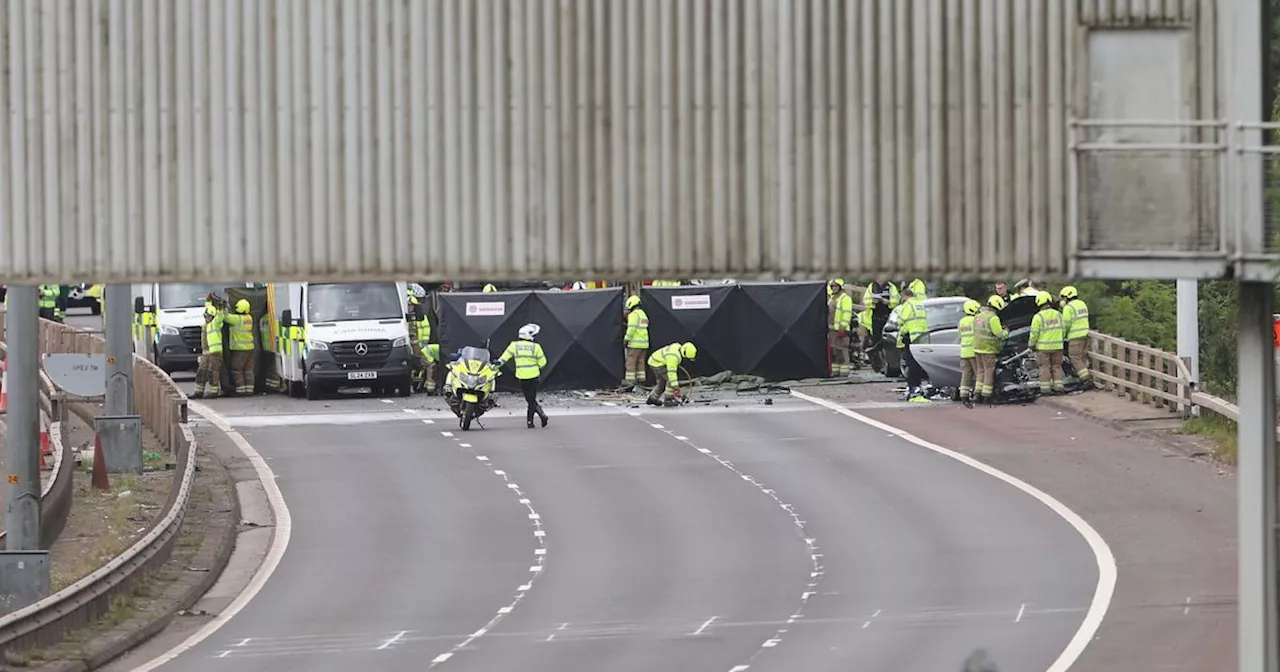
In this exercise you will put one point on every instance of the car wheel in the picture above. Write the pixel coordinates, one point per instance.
(313, 389)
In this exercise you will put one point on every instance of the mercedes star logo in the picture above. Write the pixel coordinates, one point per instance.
(362, 349)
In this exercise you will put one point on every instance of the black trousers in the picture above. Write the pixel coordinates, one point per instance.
(529, 387)
(914, 375)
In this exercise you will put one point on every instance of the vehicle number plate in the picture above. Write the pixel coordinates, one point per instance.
(471, 398)
(362, 375)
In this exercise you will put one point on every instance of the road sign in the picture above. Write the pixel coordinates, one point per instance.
(83, 375)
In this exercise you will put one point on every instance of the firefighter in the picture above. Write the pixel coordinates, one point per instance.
(839, 320)
(988, 339)
(967, 374)
(1075, 323)
(242, 348)
(665, 363)
(209, 373)
(637, 342)
(1046, 342)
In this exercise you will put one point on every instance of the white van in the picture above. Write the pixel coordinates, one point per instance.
(349, 334)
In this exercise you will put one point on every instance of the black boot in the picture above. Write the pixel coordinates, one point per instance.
(529, 423)
(542, 415)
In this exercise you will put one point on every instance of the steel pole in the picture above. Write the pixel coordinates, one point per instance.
(1259, 639)
(1189, 326)
(118, 312)
(22, 436)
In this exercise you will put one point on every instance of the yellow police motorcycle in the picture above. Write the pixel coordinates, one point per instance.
(470, 383)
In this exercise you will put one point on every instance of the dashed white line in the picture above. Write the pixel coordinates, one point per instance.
(386, 401)
(553, 635)
(869, 620)
(811, 544)
(1105, 560)
(539, 557)
(428, 422)
(1021, 610)
(246, 641)
(387, 644)
(704, 626)
(1187, 609)
(739, 668)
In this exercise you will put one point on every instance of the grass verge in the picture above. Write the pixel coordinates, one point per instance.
(1219, 431)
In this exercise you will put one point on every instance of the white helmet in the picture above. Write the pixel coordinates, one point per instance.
(528, 331)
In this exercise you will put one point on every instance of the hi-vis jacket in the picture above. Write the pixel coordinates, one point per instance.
(637, 336)
(670, 357)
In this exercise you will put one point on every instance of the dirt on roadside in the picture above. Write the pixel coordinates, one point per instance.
(104, 523)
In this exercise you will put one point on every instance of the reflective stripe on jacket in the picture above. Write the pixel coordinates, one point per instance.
(1075, 319)
(671, 358)
(241, 331)
(49, 296)
(528, 356)
(841, 311)
(966, 337)
(988, 333)
(637, 335)
(423, 332)
(1046, 330)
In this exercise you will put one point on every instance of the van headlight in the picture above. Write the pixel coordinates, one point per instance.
(400, 342)
(169, 330)
(317, 345)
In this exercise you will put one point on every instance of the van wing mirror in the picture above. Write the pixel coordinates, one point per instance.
(138, 306)
(286, 317)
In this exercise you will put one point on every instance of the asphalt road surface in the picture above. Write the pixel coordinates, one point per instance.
(781, 537)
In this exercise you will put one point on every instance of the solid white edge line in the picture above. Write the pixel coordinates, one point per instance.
(1101, 552)
(279, 541)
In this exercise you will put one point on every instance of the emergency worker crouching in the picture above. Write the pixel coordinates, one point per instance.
(1046, 341)
(242, 348)
(665, 363)
(637, 343)
(530, 360)
(988, 339)
(967, 373)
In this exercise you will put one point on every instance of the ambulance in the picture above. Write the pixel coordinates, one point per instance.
(324, 337)
(169, 320)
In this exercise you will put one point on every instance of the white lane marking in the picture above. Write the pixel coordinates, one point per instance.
(450, 434)
(428, 422)
(1187, 609)
(387, 644)
(243, 642)
(1106, 562)
(704, 626)
(283, 525)
(464, 445)
(739, 668)
(869, 620)
(386, 401)
(535, 570)
(1021, 610)
(655, 425)
(811, 543)
(553, 635)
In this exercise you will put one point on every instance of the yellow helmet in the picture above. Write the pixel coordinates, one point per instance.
(996, 302)
(242, 306)
(1068, 292)
(839, 282)
(632, 302)
(1043, 298)
(689, 351)
(972, 307)
(489, 288)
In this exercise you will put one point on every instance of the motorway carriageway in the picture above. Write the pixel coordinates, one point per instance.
(787, 537)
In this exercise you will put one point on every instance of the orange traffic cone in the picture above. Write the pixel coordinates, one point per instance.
(100, 479)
